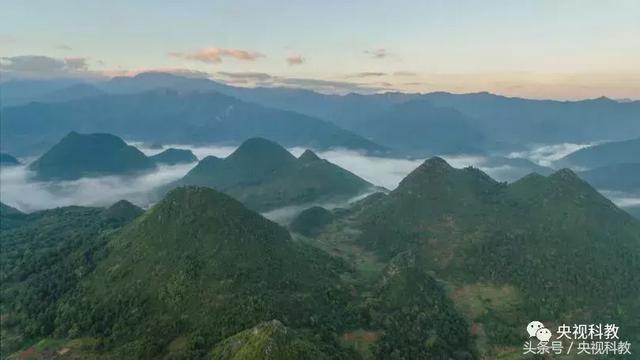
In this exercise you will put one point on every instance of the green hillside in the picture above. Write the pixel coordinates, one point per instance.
(199, 265)
(532, 241)
(425, 322)
(449, 265)
(10, 216)
(191, 277)
(8, 210)
(269, 340)
(173, 156)
(44, 257)
(263, 175)
(89, 155)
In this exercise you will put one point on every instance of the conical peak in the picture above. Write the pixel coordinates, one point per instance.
(261, 150)
(565, 174)
(308, 156)
(436, 162)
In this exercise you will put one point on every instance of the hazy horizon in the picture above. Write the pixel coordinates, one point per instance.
(580, 51)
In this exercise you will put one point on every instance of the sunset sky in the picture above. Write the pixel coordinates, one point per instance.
(559, 49)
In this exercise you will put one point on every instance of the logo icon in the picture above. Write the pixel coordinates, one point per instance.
(537, 329)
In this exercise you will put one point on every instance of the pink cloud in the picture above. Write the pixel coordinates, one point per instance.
(174, 71)
(295, 60)
(214, 55)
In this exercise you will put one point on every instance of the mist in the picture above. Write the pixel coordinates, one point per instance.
(22, 192)
(546, 155)
(285, 215)
(18, 189)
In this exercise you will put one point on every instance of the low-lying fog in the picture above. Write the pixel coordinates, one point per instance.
(19, 190)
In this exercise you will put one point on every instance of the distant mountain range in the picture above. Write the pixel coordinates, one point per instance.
(263, 175)
(608, 166)
(168, 116)
(620, 177)
(472, 122)
(417, 127)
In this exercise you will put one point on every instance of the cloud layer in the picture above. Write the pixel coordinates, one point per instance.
(214, 55)
(19, 190)
(295, 60)
(545, 155)
(320, 85)
(43, 65)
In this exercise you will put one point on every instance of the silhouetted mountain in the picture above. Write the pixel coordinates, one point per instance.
(347, 111)
(515, 120)
(504, 122)
(21, 92)
(604, 154)
(511, 169)
(264, 175)
(73, 92)
(620, 177)
(153, 80)
(173, 156)
(171, 117)
(90, 155)
(417, 127)
(8, 160)
(501, 119)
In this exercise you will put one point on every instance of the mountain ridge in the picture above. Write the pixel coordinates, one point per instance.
(264, 175)
(90, 155)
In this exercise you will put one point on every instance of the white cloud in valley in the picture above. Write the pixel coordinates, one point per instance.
(19, 190)
(545, 155)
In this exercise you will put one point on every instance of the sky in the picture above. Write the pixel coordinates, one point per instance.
(560, 49)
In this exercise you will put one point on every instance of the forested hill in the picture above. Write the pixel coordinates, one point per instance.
(263, 175)
(198, 276)
(90, 155)
(554, 246)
